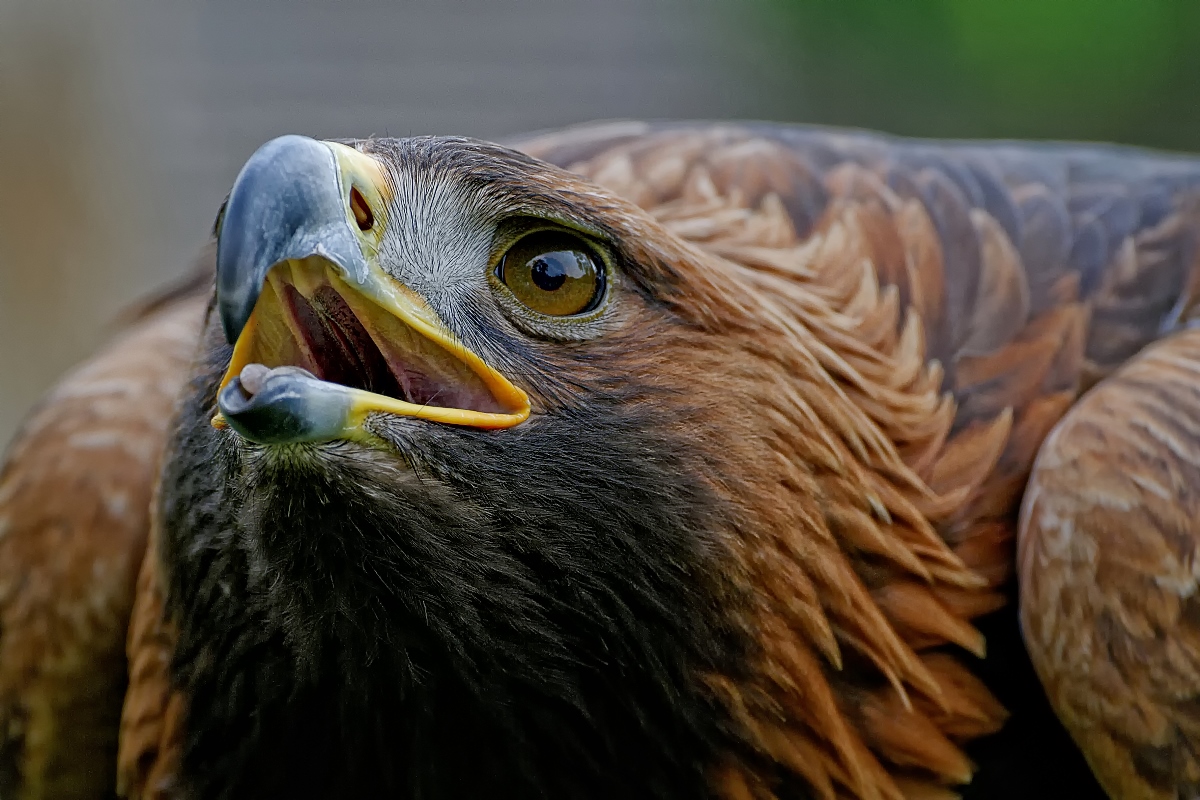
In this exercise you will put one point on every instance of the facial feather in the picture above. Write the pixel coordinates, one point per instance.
(550, 597)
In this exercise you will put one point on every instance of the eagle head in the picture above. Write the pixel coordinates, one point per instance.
(453, 504)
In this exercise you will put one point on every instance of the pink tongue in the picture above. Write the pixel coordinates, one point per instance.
(252, 377)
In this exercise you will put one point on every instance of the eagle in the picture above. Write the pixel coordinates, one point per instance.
(745, 461)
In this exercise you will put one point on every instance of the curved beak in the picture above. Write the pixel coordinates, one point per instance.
(286, 204)
(327, 335)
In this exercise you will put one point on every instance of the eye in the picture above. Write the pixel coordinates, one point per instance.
(553, 273)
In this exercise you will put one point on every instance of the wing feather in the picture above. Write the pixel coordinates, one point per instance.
(74, 506)
(1110, 544)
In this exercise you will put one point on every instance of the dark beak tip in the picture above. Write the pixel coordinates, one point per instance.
(234, 399)
(291, 405)
(232, 325)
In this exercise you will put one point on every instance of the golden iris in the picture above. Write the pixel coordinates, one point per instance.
(553, 273)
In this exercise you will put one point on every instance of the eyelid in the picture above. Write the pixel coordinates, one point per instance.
(512, 230)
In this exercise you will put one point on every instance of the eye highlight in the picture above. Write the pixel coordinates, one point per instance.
(553, 273)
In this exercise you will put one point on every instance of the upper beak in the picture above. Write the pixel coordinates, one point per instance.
(300, 292)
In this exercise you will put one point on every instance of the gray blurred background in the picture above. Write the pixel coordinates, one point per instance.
(123, 122)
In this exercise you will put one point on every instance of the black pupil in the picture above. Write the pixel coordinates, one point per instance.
(550, 271)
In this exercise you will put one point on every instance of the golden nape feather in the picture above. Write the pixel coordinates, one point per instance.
(846, 364)
(910, 321)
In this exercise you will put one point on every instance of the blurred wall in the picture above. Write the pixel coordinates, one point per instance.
(123, 122)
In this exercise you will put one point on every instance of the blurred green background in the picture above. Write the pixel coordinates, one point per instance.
(1114, 70)
(122, 123)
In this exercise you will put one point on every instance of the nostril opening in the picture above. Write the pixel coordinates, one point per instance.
(362, 212)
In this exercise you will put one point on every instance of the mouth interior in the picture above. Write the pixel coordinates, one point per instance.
(307, 317)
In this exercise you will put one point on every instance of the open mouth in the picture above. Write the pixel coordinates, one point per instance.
(389, 348)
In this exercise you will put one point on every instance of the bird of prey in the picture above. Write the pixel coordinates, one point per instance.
(740, 461)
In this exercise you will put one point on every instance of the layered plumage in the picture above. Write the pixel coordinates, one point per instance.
(740, 545)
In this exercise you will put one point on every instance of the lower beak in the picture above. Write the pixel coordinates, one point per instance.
(323, 337)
